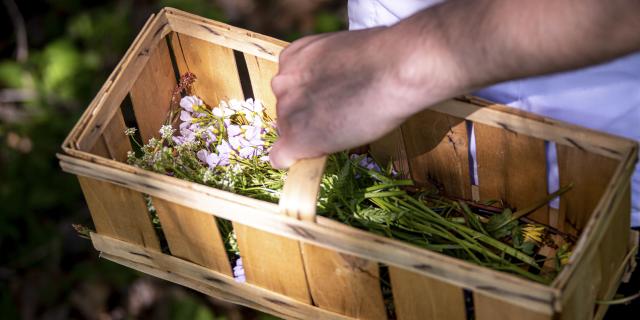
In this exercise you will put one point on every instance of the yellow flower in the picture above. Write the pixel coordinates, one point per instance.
(532, 232)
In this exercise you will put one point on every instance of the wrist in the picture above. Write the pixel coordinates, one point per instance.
(426, 66)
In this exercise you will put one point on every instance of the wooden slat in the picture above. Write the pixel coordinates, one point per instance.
(272, 262)
(192, 235)
(119, 83)
(512, 168)
(225, 35)
(113, 143)
(417, 297)
(119, 212)
(623, 274)
(100, 148)
(391, 147)
(537, 127)
(437, 148)
(578, 301)
(115, 139)
(597, 264)
(488, 308)
(205, 280)
(338, 282)
(261, 71)
(326, 233)
(343, 283)
(590, 175)
(151, 93)
(72, 139)
(213, 65)
(614, 247)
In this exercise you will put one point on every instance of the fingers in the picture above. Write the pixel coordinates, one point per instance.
(284, 153)
(281, 156)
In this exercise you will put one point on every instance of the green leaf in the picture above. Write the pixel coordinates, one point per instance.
(501, 225)
(11, 74)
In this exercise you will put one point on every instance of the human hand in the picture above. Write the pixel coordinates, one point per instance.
(342, 90)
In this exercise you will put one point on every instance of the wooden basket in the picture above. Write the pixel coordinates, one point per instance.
(301, 266)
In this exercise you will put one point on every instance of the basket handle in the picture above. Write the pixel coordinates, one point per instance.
(300, 192)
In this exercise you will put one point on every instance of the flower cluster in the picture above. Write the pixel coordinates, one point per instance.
(230, 130)
(224, 147)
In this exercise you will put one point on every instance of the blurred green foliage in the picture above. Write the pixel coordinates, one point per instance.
(72, 47)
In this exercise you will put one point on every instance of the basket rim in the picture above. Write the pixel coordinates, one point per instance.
(324, 232)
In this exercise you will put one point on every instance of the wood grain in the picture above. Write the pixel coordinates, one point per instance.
(437, 148)
(225, 35)
(337, 282)
(488, 308)
(272, 262)
(205, 280)
(343, 283)
(120, 82)
(391, 148)
(300, 191)
(214, 67)
(418, 297)
(117, 142)
(325, 232)
(511, 168)
(614, 246)
(538, 127)
(100, 148)
(261, 71)
(151, 93)
(192, 235)
(119, 212)
(590, 175)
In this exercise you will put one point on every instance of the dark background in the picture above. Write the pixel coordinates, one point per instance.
(54, 56)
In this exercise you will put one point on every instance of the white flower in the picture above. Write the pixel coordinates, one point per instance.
(254, 106)
(222, 112)
(166, 131)
(130, 131)
(153, 142)
(235, 105)
(233, 130)
(207, 176)
(188, 102)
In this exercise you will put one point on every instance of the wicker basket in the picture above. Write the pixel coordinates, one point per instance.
(301, 266)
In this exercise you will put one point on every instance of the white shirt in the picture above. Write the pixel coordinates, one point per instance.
(604, 97)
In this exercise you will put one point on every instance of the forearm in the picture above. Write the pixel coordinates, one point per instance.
(478, 43)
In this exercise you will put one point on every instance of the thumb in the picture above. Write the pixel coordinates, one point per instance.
(282, 155)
